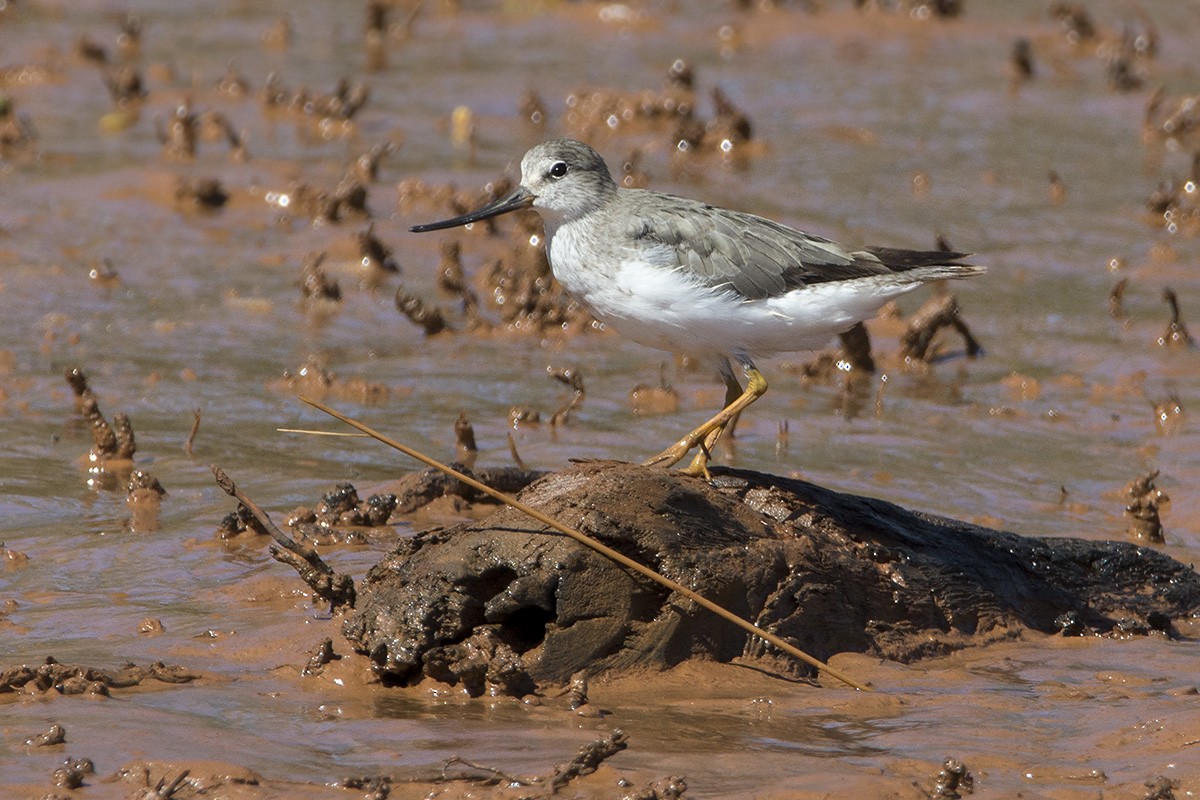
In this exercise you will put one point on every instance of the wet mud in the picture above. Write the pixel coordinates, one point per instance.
(69, 679)
(502, 605)
(203, 216)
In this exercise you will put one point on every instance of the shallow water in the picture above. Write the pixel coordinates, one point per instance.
(848, 109)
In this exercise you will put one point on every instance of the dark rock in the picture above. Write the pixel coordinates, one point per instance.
(503, 603)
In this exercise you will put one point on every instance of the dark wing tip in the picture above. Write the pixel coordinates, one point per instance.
(900, 259)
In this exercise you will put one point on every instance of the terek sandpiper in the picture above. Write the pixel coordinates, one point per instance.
(688, 277)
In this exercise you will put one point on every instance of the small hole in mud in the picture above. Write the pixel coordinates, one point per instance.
(493, 581)
(528, 626)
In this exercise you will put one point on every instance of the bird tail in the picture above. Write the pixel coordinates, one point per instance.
(939, 272)
(926, 265)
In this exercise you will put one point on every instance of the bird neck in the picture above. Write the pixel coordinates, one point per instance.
(581, 209)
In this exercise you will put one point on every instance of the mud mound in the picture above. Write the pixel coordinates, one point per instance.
(504, 603)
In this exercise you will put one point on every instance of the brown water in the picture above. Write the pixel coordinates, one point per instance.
(869, 128)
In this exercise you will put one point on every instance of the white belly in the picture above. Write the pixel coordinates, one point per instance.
(670, 310)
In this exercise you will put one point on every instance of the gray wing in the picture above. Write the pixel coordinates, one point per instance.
(756, 257)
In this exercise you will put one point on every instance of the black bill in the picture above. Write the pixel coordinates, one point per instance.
(521, 198)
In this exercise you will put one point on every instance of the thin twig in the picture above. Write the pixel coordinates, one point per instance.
(334, 587)
(227, 485)
(589, 542)
(191, 439)
(167, 791)
(512, 449)
(589, 758)
(497, 775)
(311, 432)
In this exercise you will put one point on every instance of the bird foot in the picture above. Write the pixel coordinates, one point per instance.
(699, 467)
(672, 455)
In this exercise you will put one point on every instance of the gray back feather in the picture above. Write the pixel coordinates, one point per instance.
(752, 255)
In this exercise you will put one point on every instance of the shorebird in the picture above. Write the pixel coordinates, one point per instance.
(681, 275)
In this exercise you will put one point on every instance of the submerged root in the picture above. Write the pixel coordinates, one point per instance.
(942, 311)
(586, 761)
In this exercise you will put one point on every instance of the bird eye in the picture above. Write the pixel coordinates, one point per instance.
(559, 169)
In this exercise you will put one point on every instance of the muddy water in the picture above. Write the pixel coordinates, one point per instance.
(868, 128)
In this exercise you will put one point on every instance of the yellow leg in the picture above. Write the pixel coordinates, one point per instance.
(699, 466)
(706, 436)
